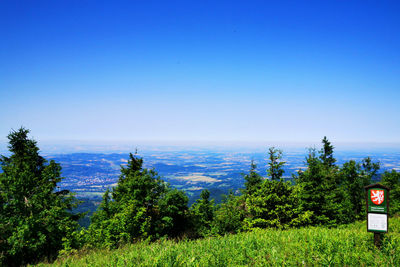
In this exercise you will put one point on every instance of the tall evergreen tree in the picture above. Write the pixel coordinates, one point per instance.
(253, 179)
(275, 169)
(202, 213)
(142, 206)
(274, 203)
(34, 217)
(326, 153)
(320, 190)
(353, 177)
(310, 182)
(391, 179)
(369, 169)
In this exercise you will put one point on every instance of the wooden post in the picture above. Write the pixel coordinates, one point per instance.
(377, 240)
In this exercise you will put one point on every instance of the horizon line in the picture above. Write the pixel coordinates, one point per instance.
(180, 142)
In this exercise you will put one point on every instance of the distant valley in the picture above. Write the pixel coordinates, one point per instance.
(90, 174)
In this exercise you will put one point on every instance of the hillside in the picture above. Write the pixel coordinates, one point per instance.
(348, 245)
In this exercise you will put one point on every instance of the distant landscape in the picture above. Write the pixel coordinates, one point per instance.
(200, 133)
(192, 170)
(90, 174)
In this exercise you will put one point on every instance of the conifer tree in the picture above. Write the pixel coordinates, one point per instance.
(202, 214)
(142, 206)
(274, 202)
(353, 177)
(34, 217)
(253, 179)
(391, 179)
(320, 190)
(275, 170)
(326, 153)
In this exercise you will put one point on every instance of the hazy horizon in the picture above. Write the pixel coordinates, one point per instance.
(118, 146)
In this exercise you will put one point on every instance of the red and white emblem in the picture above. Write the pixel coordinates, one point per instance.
(377, 196)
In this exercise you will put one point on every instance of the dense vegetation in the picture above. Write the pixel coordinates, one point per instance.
(36, 222)
(142, 206)
(348, 245)
(34, 217)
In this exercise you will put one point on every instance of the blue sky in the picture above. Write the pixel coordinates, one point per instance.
(287, 71)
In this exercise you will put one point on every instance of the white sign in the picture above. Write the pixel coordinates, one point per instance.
(377, 222)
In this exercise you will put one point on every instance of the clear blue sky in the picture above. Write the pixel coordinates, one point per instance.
(201, 70)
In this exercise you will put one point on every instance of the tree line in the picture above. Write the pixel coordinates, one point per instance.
(37, 222)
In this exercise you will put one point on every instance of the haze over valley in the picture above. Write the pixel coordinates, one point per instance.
(197, 168)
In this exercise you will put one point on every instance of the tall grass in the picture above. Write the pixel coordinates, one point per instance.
(348, 245)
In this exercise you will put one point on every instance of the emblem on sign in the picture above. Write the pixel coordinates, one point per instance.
(377, 196)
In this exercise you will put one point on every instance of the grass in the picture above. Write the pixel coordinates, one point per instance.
(348, 245)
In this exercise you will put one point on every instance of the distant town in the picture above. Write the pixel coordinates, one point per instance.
(90, 174)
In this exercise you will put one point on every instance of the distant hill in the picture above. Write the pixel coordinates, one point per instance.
(90, 174)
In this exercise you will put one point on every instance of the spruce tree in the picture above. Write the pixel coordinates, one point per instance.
(311, 191)
(202, 214)
(320, 190)
(34, 216)
(253, 179)
(353, 177)
(326, 153)
(274, 203)
(142, 206)
(392, 180)
(275, 170)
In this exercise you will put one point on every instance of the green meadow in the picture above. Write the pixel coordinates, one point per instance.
(348, 245)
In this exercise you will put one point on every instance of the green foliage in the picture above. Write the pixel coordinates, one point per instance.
(173, 213)
(202, 214)
(326, 154)
(334, 195)
(142, 206)
(73, 241)
(320, 191)
(137, 183)
(369, 168)
(354, 177)
(311, 193)
(349, 245)
(274, 204)
(392, 180)
(275, 170)
(34, 219)
(253, 179)
(229, 215)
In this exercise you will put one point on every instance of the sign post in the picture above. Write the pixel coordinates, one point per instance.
(377, 203)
